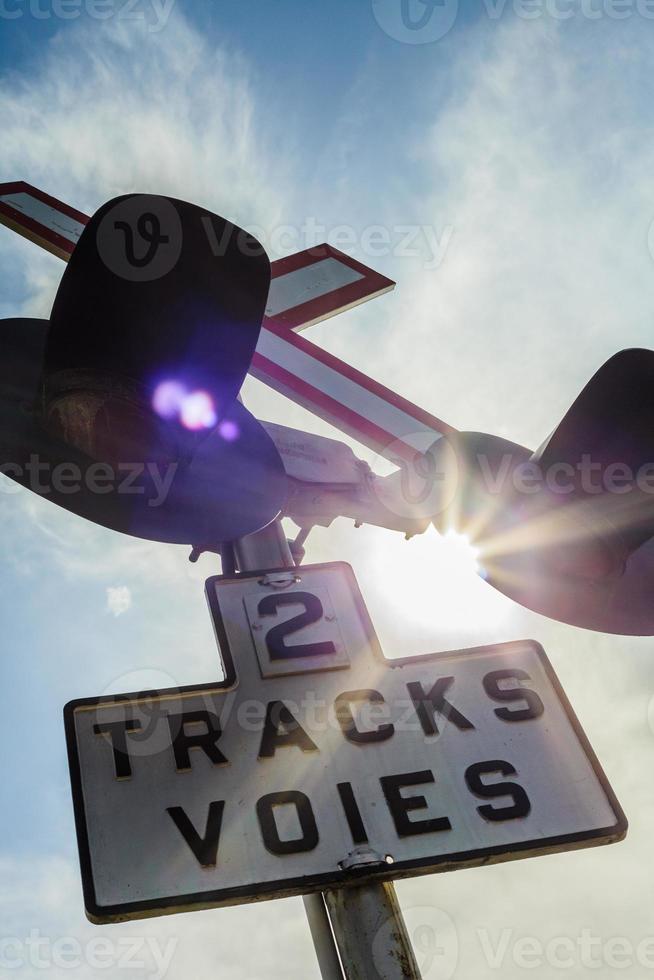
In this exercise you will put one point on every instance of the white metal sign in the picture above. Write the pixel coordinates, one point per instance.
(317, 761)
(306, 288)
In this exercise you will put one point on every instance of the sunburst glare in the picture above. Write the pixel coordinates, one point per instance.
(437, 585)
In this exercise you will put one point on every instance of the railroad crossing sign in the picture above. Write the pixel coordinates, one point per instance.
(317, 762)
(590, 563)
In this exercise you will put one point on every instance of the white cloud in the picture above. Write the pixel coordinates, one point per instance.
(116, 109)
(119, 599)
(547, 156)
(62, 944)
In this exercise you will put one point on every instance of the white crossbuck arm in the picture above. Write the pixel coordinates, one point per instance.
(306, 288)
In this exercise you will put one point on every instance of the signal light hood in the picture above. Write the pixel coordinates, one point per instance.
(569, 533)
(156, 288)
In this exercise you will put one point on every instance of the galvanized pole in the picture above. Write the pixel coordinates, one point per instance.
(366, 920)
(371, 934)
(323, 937)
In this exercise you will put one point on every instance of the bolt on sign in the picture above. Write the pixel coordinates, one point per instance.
(317, 761)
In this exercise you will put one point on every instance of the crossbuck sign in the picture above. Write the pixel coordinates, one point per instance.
(317, 761)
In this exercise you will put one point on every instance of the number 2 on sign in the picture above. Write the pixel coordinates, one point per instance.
(276, 637)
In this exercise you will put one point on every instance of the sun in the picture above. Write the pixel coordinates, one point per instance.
(436, 583)
(460, 552)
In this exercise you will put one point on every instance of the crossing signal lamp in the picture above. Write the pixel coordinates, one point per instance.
(132, 384)
(568, 531)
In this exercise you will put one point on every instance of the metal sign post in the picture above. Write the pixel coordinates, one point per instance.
(357, 913)
(371, 934)
(323, 937)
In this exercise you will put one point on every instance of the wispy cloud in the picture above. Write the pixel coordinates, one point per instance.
(119, 599)
(110, 109)
(542, 160)
(114, 109)
(62, 943)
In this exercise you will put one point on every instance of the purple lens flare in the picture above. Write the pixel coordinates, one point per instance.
(229, 430)
(198, 412)
(194, 409)
(167, 399)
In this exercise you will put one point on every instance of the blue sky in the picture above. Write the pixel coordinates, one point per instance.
(525, 147)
